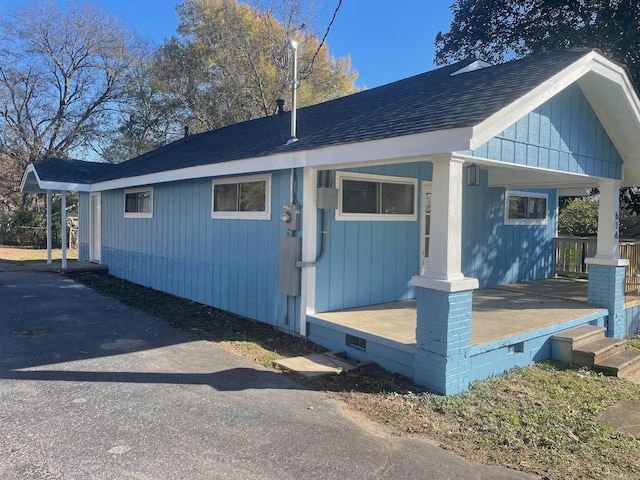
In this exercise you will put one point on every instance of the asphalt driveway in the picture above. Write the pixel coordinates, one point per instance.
(93, 389)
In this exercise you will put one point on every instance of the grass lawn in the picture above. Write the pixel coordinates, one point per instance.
(540, 419)
(21, 254)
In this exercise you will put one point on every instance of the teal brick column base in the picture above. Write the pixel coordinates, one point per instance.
(606, 290)
(443, 339)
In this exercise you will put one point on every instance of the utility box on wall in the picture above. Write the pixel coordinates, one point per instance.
(290, 217)
(290, 253)
(327, 198)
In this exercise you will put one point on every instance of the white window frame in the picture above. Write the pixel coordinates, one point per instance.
(524, 221)
(266, 215)
(380, 217)
(137, 214)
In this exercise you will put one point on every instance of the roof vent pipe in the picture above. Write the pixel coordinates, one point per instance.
(186, 132)
(280, 104)
(294, 86)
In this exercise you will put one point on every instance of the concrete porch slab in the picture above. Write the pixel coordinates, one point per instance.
(497, 313)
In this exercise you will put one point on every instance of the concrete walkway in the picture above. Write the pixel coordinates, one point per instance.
(92, 389)
(54, 266)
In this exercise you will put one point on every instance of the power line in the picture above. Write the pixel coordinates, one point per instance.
(326, 33)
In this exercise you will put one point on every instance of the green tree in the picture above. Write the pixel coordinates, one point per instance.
(579, 218)
(230, 62)
(498, 30)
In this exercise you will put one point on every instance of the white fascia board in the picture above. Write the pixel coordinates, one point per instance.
(389, 150)
(30, 170)
(70, 187)
(49, 185)
(496, 123)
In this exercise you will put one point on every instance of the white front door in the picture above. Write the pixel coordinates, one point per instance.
(95, 245)
(425, 226)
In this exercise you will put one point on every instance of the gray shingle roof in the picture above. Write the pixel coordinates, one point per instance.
(428, 102)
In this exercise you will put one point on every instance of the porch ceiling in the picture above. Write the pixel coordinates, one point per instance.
(517, 176)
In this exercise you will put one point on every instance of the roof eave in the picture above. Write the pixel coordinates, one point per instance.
(402, 149)
(28, 186)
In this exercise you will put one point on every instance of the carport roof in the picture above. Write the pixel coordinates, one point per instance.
(432, 102)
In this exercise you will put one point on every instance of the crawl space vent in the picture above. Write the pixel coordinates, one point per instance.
(356, 342)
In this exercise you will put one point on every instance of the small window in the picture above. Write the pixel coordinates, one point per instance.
(375, 197)
(138, 203)
(248, 198)
(525, 208)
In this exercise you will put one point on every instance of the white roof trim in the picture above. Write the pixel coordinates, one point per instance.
(390, 150)
(49, 185)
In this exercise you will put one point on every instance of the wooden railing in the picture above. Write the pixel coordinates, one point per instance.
(571, 252)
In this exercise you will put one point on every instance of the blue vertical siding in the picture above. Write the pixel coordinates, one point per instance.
(228, 264)
(371, 262)
(496, 253)
(562, 134)
(83, 226)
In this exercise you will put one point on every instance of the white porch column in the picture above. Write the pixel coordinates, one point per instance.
(608, 221)
(49, 227)
(63, 222)
(607, 270)
(444, 271)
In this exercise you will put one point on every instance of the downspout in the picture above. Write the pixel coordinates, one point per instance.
(324, 227)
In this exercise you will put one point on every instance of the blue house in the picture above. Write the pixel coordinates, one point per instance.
(383, 229)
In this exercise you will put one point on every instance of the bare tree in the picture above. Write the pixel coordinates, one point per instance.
(61, 74)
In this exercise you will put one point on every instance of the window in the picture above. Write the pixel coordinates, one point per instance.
(138, 203)
(247, 198)
(525, 208)
(375, 197)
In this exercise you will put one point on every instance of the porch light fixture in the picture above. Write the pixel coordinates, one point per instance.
(473, 175)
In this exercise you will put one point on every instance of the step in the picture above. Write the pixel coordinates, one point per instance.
(563, 343)
(621, 364)
(598, 350)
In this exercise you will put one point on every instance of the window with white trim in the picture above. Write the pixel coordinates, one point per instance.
(247, 198)
(376, 197)
(138, 202)
(525, 208)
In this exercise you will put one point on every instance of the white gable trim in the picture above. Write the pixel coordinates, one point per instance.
(594, 64)
(43, 186)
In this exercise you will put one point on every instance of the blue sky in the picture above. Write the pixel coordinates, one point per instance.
(387, 40)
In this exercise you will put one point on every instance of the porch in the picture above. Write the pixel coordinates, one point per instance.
(497, 313)
(510, 326)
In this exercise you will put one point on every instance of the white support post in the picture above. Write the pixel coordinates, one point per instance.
(444, 271)
(63, 225)
(608, 220)
(309, 245)
(49, 227)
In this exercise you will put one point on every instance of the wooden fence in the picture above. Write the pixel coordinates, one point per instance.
(571, 252)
